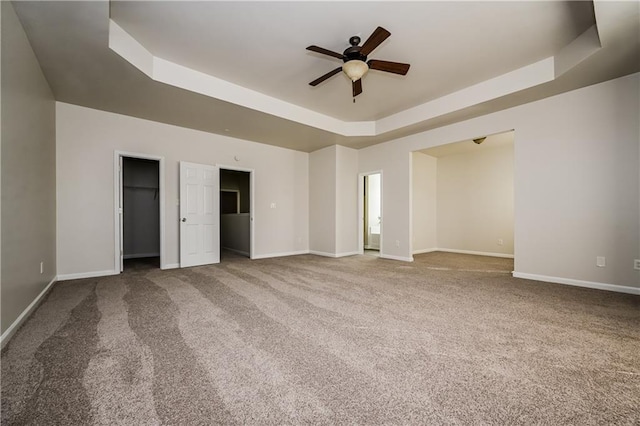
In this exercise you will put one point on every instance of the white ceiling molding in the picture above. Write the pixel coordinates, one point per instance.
(129, 48)
(177, 75)
(577, 51)
(523, 78)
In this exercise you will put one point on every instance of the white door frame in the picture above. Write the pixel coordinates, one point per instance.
(251, 202)
(117, 185)
(361, 209)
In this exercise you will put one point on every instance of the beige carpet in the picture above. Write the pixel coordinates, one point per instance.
(448, 339)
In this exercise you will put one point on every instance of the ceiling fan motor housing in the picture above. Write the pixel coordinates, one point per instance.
(353, 52)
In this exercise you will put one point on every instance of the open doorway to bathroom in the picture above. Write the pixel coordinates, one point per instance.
(371, 213)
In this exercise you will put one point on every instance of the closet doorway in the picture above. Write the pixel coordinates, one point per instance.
(139, 212)
(236, 212)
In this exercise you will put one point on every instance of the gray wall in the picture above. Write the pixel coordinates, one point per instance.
(322, 201)
(347, 221)
(85, 141)
(475, 199)
(424, 176)
(576, 182)
(333, 201)
(28, 173)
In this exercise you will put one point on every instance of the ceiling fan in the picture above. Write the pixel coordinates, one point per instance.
(355, 60)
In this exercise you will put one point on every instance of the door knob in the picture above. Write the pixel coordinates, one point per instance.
(184, 219)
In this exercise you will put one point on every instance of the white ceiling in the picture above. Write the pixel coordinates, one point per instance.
(261, 46)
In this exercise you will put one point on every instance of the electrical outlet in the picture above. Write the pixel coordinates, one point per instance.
(397, 243)
(636, 264)
(500, 241)
(601, 261)
(273, 205)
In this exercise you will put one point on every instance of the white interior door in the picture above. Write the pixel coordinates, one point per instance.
(199, 214)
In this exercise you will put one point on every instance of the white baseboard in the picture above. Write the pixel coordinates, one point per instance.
(349, 253)
(421, 251)
(579, 283)
(9, 332)
(476, 253)
(334, 255)
(283, 254)
(140, 255)
(322, 253)
(80, 275)
(170, 266)
(392, 257)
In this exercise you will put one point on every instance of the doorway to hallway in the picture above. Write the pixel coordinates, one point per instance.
(236, 212)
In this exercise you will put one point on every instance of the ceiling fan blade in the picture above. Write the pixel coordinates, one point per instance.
(374, 40)
(394, 67)
(357, 87)
(326, 76)
(325, 51)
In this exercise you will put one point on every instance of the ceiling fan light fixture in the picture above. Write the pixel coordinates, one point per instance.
(355, 69)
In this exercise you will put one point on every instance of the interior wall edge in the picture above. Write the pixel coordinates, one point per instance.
(11, 330)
